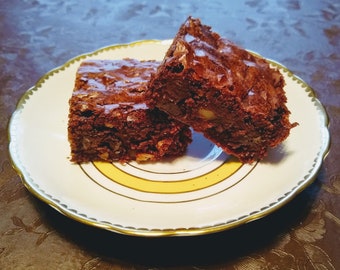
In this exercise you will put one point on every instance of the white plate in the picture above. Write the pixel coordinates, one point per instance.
(203, 192)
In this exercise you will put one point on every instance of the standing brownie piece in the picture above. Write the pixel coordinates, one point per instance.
(109, 120)
(233, 97)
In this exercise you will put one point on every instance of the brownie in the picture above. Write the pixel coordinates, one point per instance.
(230, 95)
(110, 121)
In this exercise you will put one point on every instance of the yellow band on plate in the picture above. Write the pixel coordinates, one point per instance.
(168, 187)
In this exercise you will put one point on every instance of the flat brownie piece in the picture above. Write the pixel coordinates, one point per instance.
(109, 120)
(230, 95)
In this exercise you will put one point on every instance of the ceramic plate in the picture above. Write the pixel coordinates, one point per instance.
(202, 192)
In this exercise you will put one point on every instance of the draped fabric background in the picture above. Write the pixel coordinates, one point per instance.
(39, 35)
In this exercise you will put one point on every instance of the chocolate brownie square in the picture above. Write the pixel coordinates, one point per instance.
(110, 121)
(235, 98)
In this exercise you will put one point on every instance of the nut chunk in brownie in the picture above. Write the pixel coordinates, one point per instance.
(109, 120)
(233, 97)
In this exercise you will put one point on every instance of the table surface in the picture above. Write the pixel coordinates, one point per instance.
(39, 35)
